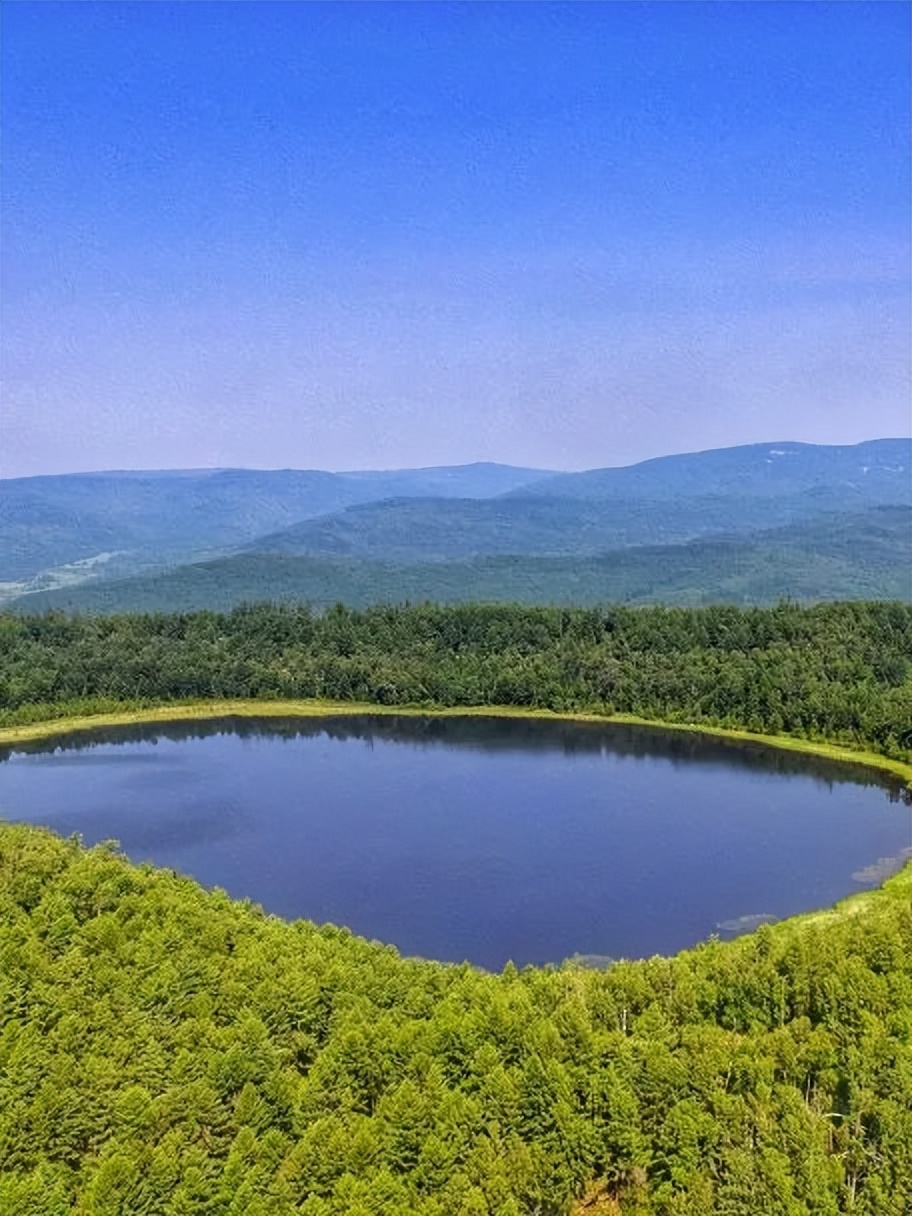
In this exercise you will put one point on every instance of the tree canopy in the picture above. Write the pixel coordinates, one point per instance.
(837, 672)
(166, 1049)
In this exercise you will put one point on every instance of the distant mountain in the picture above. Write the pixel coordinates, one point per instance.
(434, 529)
(69, 530)
(878, 471)
(50, 521)
(130, 519)
(862, 556)
(481, 480)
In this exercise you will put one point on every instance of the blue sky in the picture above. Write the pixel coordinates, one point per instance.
(381, 235)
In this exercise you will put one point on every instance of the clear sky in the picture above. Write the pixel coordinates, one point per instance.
(383, 235)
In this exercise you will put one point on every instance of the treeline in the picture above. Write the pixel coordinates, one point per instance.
(167, 1050)
(833, 671)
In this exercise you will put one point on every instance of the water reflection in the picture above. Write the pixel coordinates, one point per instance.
(736, 926)
(883, 868)
(476, 838)
(486, 734)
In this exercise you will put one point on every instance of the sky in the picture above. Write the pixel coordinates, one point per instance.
(385, 235)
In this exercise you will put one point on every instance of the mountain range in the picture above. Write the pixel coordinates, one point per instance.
(743, 524)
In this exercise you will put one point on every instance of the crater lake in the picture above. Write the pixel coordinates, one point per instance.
(479, 839)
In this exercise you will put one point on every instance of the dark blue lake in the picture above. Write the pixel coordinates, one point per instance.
(479, 839)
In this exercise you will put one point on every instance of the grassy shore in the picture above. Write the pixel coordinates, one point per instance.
(248, 708)
(896, 887)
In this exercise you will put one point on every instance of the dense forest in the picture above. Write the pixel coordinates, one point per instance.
(168, 1050)
(837, 672)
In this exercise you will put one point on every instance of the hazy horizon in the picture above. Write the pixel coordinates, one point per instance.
(234, 468)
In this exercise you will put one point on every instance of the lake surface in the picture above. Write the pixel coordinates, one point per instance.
(479, 839)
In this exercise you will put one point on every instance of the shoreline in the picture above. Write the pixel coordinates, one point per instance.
(202, 711)
(196, 711)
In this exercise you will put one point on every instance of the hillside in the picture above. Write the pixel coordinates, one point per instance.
(877, 471)
(863, 556)
(82, 529)
(433, 529)
(150, 518)
(170, 1050)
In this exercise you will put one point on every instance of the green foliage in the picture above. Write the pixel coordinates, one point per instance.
(168, 1050)
(848, 556)
(165, 1050)
(837, 672)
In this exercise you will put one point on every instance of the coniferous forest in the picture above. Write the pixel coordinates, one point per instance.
(837, 672)
(166, 1050)
(169, 1050)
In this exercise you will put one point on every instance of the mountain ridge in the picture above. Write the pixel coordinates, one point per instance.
(69, 529)
(753, 468)
(840, 556)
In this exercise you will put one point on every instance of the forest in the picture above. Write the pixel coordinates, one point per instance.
(835, 672)
(744, 525)
(168, 1050)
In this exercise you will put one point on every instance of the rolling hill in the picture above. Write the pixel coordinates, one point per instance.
(128, 521)
(435, 529)
(494, 527)
(865, 556)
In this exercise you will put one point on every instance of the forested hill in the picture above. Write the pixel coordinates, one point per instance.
(136, 518)
(168, 1050)
(671, 500)
(435, 529)
(837, 672)
(77, 529)
(835, 557)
